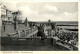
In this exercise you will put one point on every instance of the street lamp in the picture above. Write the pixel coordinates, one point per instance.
(15, 20)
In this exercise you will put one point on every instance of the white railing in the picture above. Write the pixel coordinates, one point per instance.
(23, 33)
(66, 44)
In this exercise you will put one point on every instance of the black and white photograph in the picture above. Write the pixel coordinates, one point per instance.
(39, 26)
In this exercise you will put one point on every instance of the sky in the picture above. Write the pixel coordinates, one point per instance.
(44, 11)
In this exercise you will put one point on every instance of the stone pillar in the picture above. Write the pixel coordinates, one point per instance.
(0, 26)
(54, 42)
(0, 21)
(49, 32)
(19, 34)
(25, 32)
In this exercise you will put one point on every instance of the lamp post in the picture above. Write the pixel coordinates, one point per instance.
(15, 20)
(26, 22)
(49, 22)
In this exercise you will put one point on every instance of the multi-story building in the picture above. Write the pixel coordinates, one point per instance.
(6, 14)
(9, 15)
(3, 13)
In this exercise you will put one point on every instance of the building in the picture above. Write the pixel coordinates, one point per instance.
(46, 28)
(18, 15)
(68, 26)
(9, 15)
(6, 14)
(3, 13)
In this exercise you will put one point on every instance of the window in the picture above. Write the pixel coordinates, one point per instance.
(8, 18)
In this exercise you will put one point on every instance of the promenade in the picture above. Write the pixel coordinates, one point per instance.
(9, 28)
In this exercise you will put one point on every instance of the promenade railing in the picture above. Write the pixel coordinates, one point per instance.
(24, 33)
(65, 44)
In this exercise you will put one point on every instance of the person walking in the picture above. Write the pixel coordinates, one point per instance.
(4, 26)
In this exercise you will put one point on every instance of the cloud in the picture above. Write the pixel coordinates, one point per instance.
(51, 8)
(26, 10)
(43, 11)
(11, 6)
(66, 16)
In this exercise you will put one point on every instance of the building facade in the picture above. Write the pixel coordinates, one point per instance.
(3, 13)
(9, 15)
(18, 16)
(6, 14)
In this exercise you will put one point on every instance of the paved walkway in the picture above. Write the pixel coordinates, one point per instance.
(10, 29)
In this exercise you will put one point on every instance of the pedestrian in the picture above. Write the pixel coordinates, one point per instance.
(4, 26)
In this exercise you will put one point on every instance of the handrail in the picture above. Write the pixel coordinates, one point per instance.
(67, 45)
(24, 32)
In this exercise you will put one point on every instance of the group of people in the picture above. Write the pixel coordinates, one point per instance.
(70, 37)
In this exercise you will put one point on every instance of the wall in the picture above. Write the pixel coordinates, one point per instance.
(0, 26)
(29, 41)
